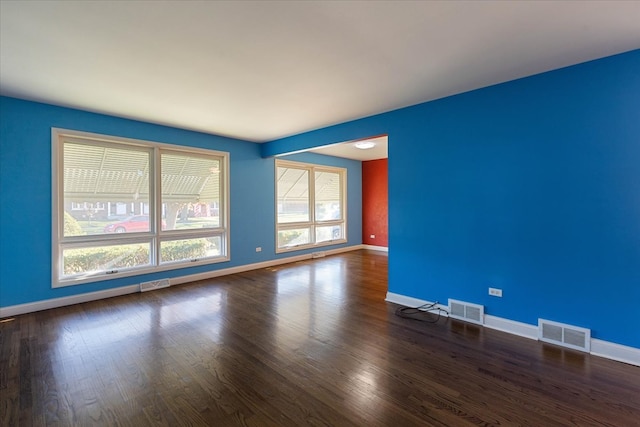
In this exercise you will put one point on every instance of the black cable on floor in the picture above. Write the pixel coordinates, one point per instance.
(423, 313)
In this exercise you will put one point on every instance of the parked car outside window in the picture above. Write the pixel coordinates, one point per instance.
(139, 223)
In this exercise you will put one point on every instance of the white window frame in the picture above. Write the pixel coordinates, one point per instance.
(155, 235)
(312, 223)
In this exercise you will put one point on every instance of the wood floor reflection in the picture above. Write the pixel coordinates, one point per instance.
(310, 343)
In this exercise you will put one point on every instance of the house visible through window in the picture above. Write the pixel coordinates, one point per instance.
(310, 205)
(124, 207)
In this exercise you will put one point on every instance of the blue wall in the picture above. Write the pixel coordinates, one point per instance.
(531, 186)
(25, 196)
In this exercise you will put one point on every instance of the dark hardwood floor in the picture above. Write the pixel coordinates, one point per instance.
(310, 343)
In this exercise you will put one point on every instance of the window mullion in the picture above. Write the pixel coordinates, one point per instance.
(312, 203)
(156, 194)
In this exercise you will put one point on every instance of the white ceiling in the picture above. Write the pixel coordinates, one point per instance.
(261, 70)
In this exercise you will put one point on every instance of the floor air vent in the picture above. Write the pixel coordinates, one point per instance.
(466, 311)
(154, 284)
(564, 335)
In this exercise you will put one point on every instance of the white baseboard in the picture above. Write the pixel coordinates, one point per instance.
(257, 265)
(376, 248)
(610, 350)
(405, 300)
(606, 349)
(412, 302)
(511, 326)
(15, 310)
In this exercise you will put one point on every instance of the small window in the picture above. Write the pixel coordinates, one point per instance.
(310, 205)
(124, 207)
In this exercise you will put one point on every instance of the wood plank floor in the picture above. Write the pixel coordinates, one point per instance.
(311, 343)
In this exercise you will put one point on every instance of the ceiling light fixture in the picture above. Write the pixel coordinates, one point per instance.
(364, 145)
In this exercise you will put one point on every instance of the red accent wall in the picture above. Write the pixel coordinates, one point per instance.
(375, 203)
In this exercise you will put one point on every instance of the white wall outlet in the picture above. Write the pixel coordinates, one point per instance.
(495, 292)
(373, 236)
(258, 249)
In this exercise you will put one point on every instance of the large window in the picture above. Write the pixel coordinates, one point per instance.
(310, 205)
(124, 207)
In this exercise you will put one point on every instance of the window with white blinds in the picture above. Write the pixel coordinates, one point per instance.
(125, 207)
(310, 205)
